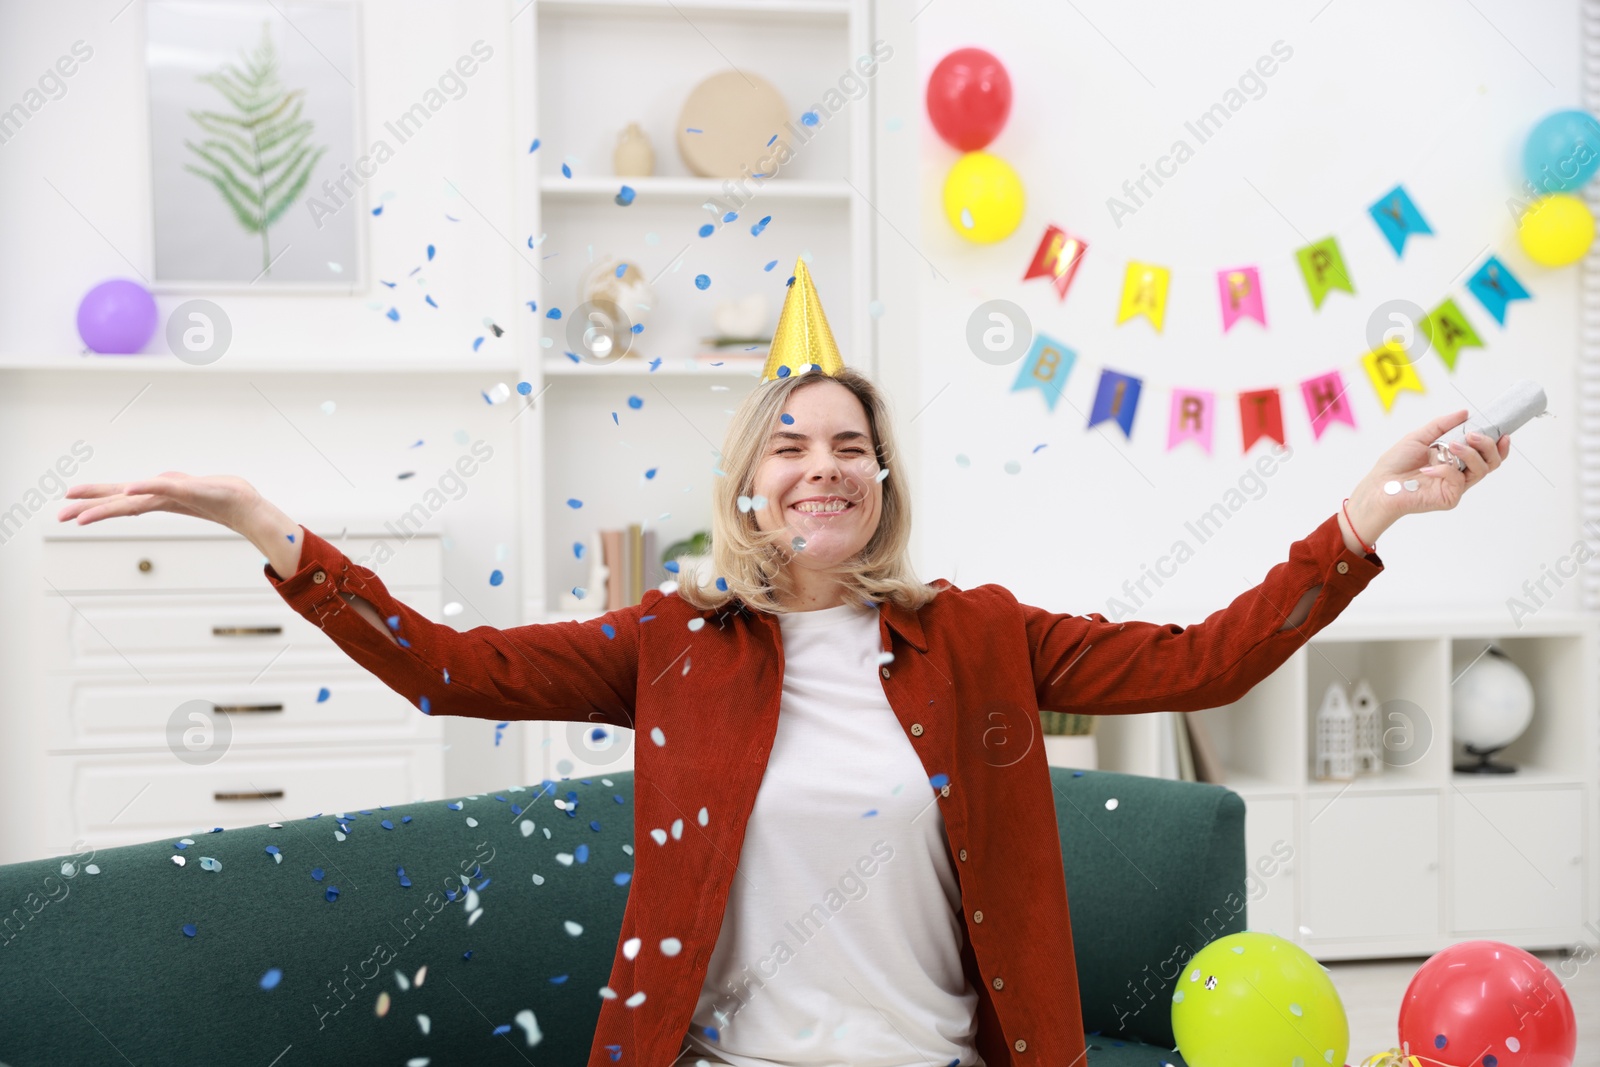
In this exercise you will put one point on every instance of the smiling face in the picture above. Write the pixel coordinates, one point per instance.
(825, 458)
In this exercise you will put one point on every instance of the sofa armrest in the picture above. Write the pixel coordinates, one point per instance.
(1150, 882)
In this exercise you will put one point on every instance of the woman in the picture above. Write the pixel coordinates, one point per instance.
(806, 900)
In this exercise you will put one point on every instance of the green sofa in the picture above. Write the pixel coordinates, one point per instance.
(142, 961)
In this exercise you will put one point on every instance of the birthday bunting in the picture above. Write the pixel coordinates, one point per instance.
(1398, 218)
(1261, 415)
(1117, 398)
(1240, 291)
(1448, 331)
(1324, 269)
(1391, 372)
(1495, 287)
(1057, 258)
(1325, 402)
(1046, 368)
(1144, 292)
(1191, 418)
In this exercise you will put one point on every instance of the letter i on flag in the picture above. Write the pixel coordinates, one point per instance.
(1494, 287)
(1398, 218)
(1058, 257)
(1144, 292)
(1192, 418)
(1046, 368)
(1325, 402)
(1324, 269)
(1240, 290)
(1117, 398)
(1260, 415)
(1448, 331)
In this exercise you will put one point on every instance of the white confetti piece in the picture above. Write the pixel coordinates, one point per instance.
(671, 946)
(530, 1026)
(573, 928)
(677, 829)
(402, 981)
(657, 736)
(659, 834)
(635, 1000)
(93, 868)
(564, 858)
(425, 1024)
(274, 826)
(179, 860)
(607, 993)
(527, 827)
(630, 947)
(471, 821)
(1111, 805)
(382, 1007)
(704, 817)
(696, 624)
(471, 902)
(68, 869)
(422, 972)
(538, 879)
(885, 657)
(474, 916)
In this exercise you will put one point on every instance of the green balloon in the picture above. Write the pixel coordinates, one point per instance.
(1256, 1000)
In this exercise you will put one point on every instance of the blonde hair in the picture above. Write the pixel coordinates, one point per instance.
(748, 562)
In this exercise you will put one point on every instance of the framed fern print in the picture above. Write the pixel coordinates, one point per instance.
(253, 111)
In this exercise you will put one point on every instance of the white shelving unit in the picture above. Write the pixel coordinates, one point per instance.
(1418, 856)
(670, 416)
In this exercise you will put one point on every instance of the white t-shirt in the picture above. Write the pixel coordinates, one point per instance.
(841, 943)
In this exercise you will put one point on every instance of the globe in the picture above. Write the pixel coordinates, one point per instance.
(1491, 705)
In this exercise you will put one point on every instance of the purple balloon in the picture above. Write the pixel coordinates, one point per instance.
(118, 316)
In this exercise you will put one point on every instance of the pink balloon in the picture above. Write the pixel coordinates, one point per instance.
(1488, 1004)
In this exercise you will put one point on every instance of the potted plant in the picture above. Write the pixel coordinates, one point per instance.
(1068, 739)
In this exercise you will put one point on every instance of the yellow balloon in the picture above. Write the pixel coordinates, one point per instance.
(1556, 230)
(1256, 1000)
(983, 198)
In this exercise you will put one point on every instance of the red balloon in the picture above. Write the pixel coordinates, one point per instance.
(969, 97)
(1488, 1004)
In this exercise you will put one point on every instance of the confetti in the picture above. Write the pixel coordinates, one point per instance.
(566, 171)
(553, 313)
(573, 928)
(702, 282)
(769, 266)
(656, 735)
(625, 196)
(635, 402)
(574, 503)
(271, 979)
(755, 230)
(378, 210)
(707, 230)
(534, 147)
(809, 119)
(430, 251)
(393, 315)
(188, 930)
(430, 301)
(786, 418)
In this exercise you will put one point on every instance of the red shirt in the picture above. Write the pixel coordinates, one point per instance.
(970, 672)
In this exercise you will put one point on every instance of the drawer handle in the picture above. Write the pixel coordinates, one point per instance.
(237, 631)
(260, 794)
(239, 709)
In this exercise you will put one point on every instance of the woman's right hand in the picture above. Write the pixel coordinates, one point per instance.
(219, 498)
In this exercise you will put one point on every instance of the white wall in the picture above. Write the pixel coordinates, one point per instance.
(1431, 94)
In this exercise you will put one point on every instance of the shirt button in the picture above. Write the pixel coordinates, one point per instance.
(319, 577)
(944, 790)
(885, 671)
(963, 855)
(916, 729)
(977, 916)
(1343, 568)
(999, 983)
(1021, 1045)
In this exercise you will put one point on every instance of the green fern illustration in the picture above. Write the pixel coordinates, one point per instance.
(260, 156)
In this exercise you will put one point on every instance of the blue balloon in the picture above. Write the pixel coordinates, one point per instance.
(1562, 152)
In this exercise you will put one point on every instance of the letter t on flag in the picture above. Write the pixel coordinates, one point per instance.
(1058, 257)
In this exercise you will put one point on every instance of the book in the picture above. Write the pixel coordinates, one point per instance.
(1207, 763)
(1180, 740)
(611, 554)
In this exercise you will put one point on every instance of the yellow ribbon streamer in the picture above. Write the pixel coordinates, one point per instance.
(1393, 1058)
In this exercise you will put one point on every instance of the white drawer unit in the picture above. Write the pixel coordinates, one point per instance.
(182, 693)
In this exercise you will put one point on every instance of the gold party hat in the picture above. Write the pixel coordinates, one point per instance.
(802, 337)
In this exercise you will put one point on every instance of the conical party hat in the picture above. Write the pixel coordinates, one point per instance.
(802, 337)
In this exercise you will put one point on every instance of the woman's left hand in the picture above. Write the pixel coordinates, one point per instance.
(1439, 486)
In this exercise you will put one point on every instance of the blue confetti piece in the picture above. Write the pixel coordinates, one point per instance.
(553, 313)
(654, 363)
(430, 251)
(386, 824)
(635, 402)
(625, 196)
(533, 305)
(426, 706)
(534, 147)
(188, 930)
(711, 1033)
(651, 473)
(467, 955)
(524, 388)
(403, 642)
(730, 216)
(393, 621)
(622, 268)
(637, 327)
(672, 566)
(691, 129)
(271, 979)
(774, 137)
(869, 814)
(939, 781)
(566, 171)
(477, 344)
(179, 844)
(558, 979)
(271, 850)
(323, 695)
(503, 1028)
(809, 119)
(1037, 447)
(755, 231)
(430, 301)
(332, 893)
(609, 630)
(618, 798)
(646, 618)
(581, 853)
(616, 1052)
(783, 372)
(1077, 774)
(702, 282)
(707, 230)
(405, 882)
(622, 878)
(614, 418)
(574, 503)
(378, 210)
(495, 577)
(389, 284)
(393, 315)
(786, 418)
(790, 282)
(769, 266)
(722, 585)
(316, 874)
(405, 818)
(577, 550)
